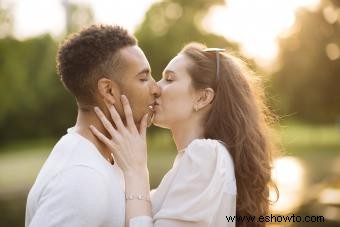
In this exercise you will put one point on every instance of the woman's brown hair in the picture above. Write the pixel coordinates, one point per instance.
(240, 119)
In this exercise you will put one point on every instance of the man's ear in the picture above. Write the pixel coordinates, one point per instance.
(205, 97)
(108, 90)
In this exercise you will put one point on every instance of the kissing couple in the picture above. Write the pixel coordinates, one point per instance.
(97, 175)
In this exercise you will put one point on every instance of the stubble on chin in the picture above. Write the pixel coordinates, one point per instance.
(151, 116)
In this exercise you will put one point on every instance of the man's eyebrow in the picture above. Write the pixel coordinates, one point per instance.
(146, 71)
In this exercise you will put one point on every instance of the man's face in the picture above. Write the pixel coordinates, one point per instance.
(137, 83)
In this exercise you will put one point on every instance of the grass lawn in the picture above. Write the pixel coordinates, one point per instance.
(20, 163)
(316, 145)
(299, 139)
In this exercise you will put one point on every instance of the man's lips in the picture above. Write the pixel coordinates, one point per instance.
(152, 106)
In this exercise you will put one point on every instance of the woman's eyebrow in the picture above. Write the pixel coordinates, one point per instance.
(168, 72)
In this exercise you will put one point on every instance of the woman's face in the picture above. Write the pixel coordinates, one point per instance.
(176, 103)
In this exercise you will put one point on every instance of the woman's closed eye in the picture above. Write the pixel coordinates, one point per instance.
(169, 79)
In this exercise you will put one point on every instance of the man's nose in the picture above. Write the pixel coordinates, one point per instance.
(156, 90)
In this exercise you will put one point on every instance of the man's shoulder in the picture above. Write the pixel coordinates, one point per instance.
(74, 160)
(79, 191)
(74, 151)
(79, 176)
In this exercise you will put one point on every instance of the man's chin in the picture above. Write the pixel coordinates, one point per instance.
(158, 123)
(151, 116)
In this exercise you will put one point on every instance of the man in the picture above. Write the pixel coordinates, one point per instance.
(79, 184)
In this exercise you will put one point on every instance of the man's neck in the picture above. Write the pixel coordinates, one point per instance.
(84, 120)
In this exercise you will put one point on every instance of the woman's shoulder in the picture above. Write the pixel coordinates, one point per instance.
(206, 150)
(207, 146)
(210, 159)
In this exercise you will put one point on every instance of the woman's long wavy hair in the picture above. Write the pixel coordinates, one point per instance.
(241, 120)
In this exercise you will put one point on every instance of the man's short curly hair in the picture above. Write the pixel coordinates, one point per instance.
(86, 56)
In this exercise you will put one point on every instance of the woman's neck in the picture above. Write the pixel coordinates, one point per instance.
(184, 134)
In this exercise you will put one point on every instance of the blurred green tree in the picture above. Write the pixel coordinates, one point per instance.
(170, 24)
(31, 94)
(6, 19)
(307, 79)
(33, 101)
(77, 16)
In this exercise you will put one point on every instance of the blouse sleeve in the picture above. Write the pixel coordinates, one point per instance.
(204, 175)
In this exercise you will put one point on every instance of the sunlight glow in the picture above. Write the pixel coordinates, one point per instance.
(289, 176)
(34, 17)
(256, 24)
(332, 51)
(128, 13)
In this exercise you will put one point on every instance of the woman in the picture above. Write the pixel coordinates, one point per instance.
(213, 107)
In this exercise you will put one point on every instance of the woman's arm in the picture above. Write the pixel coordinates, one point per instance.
(128, 145)
(198, 186)
(137, 190)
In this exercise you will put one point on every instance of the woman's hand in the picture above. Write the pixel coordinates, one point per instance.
(128, 144)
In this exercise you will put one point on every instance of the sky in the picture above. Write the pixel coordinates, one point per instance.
(258, 39)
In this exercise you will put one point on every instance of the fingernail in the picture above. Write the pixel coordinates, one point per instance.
(96, 108)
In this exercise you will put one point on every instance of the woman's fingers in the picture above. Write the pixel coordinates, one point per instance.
(102, 138)
(143, 126)
(128, 114)
(106, 123)
(115, 116)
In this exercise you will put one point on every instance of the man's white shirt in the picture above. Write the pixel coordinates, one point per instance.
(76, 187)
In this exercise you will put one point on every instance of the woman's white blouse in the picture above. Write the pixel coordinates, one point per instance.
(199, 190)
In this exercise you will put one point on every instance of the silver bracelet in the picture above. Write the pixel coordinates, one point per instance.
(136, 197)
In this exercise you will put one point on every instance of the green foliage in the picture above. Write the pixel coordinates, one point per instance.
(33, 101)
(31, 94)
(308, 81)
